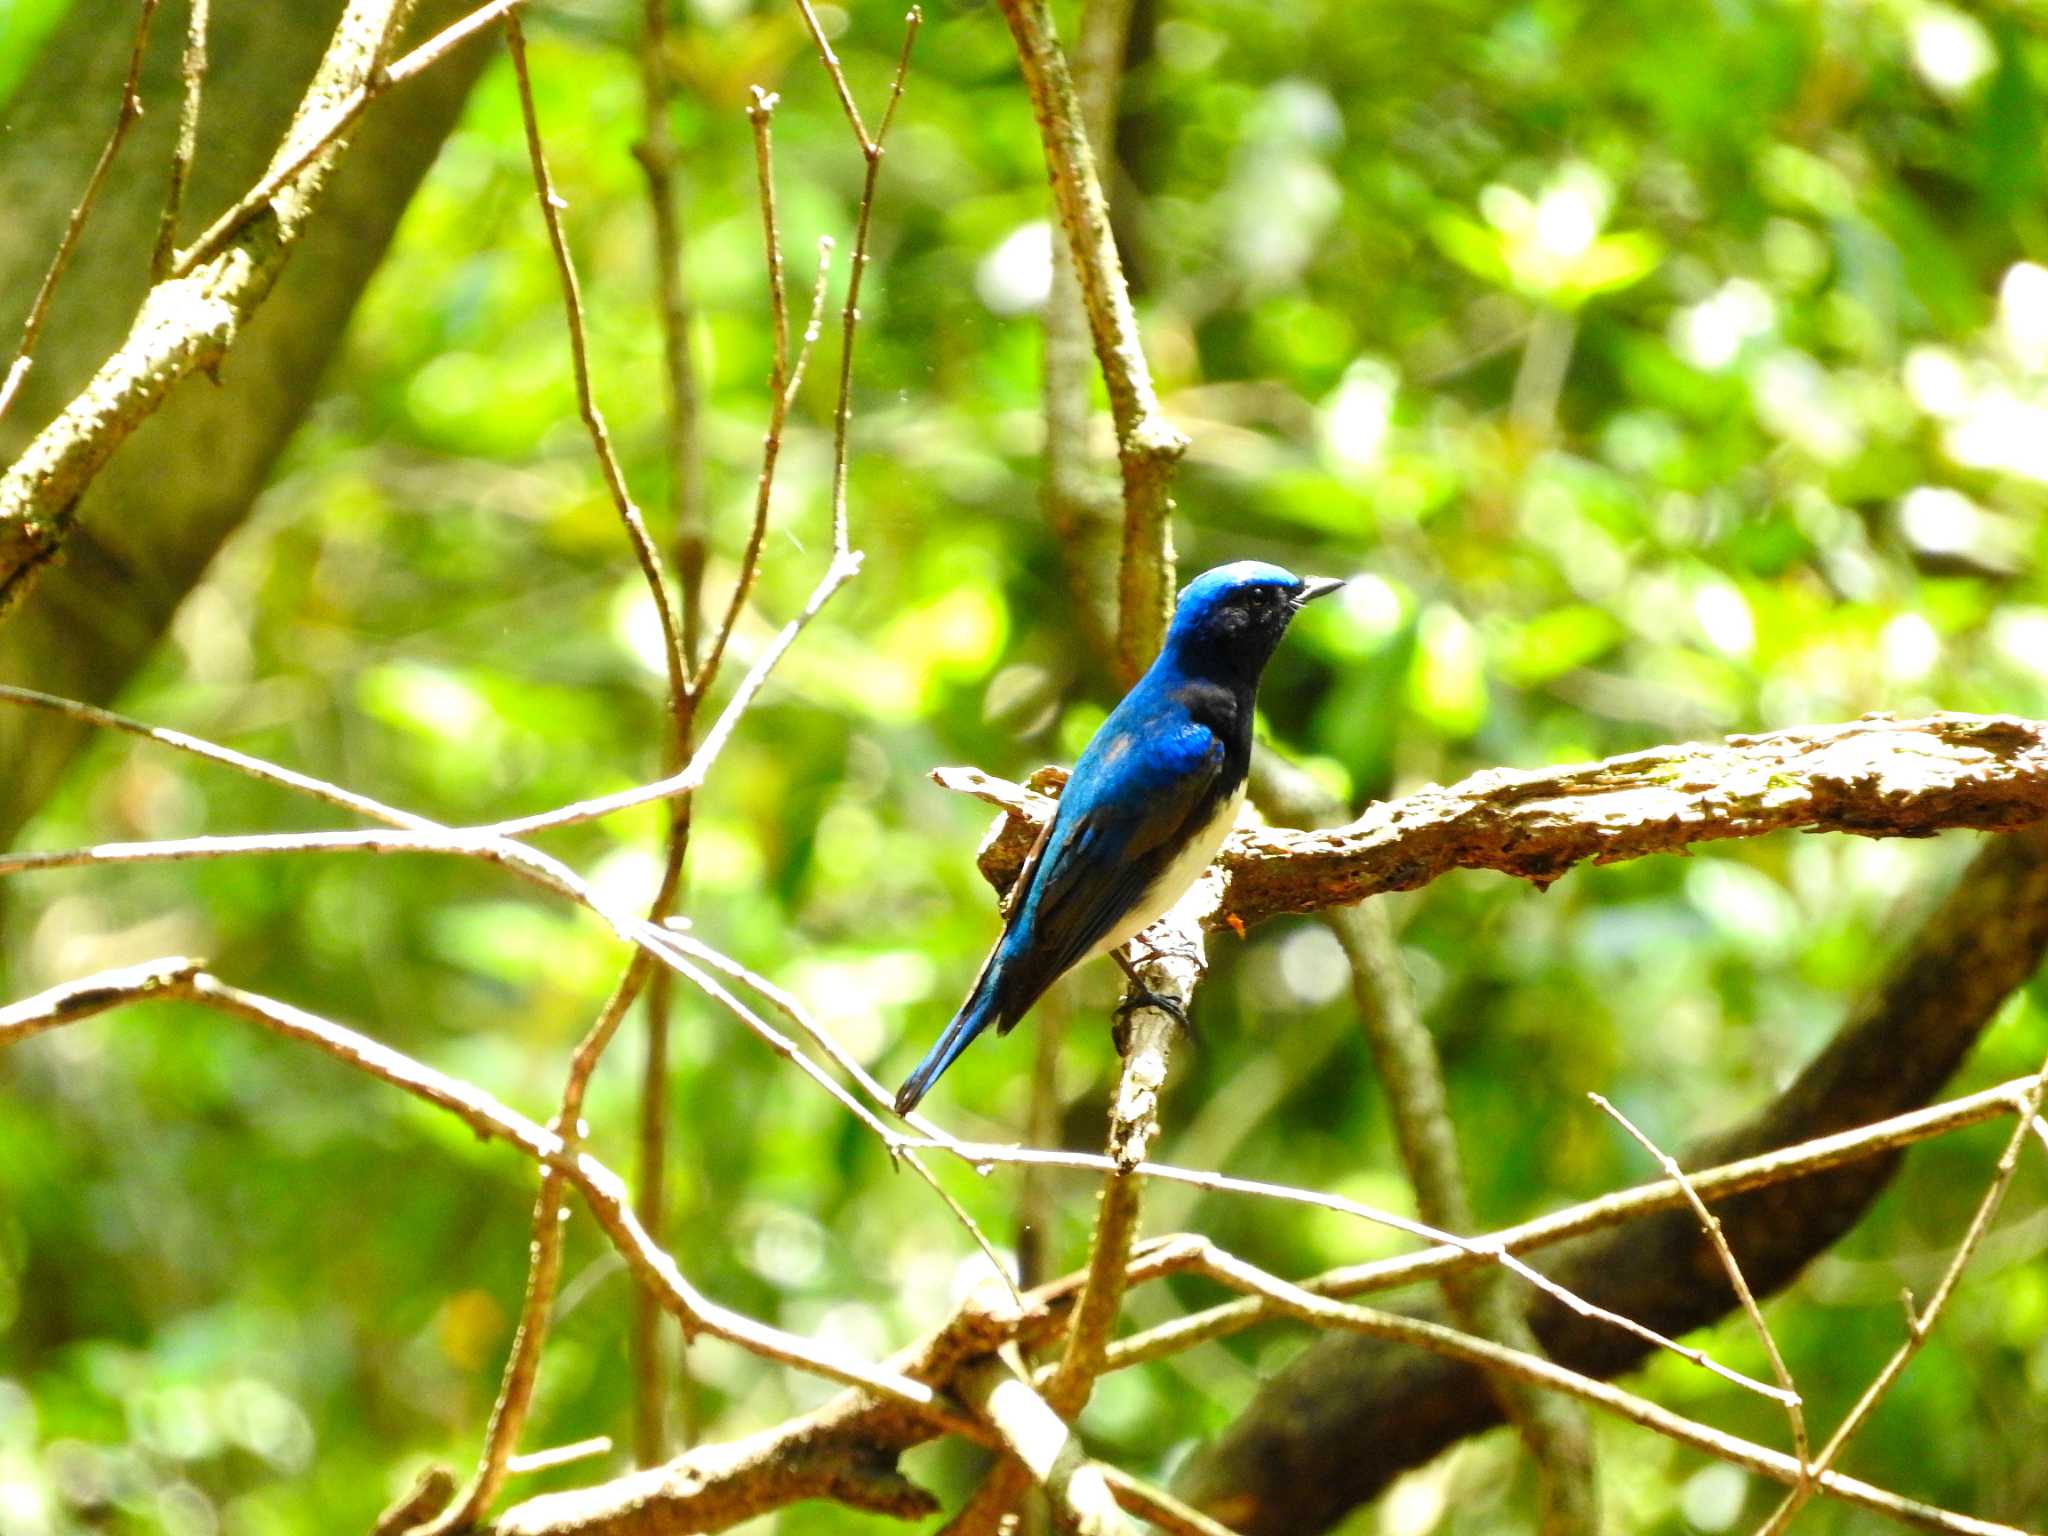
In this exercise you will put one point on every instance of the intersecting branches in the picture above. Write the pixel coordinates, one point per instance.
(191, 317)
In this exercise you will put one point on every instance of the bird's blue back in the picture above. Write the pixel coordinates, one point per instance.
(1158, 772)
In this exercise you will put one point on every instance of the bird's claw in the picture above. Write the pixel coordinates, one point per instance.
(1143, 997)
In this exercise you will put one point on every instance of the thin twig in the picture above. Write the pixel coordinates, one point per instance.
(1919, 1325)
(1488, 1249)
(831, 62)
(522, 1368)
(761, 115)
(254, 767)
(1291, 1300)
(559, 1456)
(125, 118)
(850, 317)
(644, 551)
(783, 382)
(786, 1003)
(1818, 1155)
(1710, 1224)
(192, 67)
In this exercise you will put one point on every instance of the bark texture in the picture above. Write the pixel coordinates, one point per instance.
(156, 513)
(1877, 777)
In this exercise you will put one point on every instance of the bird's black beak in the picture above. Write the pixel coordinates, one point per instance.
(1313, 587)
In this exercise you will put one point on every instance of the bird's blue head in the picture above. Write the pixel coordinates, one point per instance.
(1229, 619)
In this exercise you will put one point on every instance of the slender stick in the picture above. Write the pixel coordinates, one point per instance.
(871, 148)
(1918, 1325)
(522, 1369)
(783, 381)
(124, 119)
(1710, 1224)
(1148, 446)
(192, 67)
(1798, 1161)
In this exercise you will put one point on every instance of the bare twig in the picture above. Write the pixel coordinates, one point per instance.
(871, 148)
(784, 378)
(644, 551)
(314, 134)
(1292, 1300)
(515, 1394)
(559, 1456)
(254, 767)
(1806, 1158)
(125, 118)
(1479, 1250)
(71, 1001)
(192, 67)
(831, 62)
(1710, 1224)
(761, 115)
(1919, 1324)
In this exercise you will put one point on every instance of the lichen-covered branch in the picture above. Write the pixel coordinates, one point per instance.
(1876, 777)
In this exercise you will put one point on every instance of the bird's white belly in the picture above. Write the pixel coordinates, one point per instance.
(1177, 878)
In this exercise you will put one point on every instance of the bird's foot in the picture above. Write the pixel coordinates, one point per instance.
(1143, 997)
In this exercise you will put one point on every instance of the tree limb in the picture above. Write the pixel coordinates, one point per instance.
(1876, 777)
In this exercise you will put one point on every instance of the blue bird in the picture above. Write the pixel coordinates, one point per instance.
(1146, 808)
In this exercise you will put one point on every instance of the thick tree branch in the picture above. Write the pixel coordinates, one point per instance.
(1876, 777)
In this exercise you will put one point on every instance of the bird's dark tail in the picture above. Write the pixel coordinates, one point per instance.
(981, 1009)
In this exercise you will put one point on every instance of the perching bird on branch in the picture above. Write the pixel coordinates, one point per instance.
(1146, 808)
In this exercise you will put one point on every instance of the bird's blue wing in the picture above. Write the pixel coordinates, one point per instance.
(1135, 797)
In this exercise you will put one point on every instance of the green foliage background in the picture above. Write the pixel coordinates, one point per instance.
(1791, 471)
